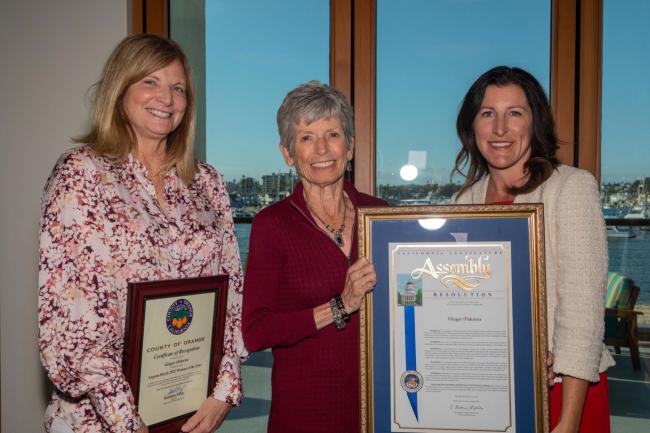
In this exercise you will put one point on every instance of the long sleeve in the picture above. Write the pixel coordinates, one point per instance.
(581, 249)
(576, 268)
(229, 384)
(80, 326)
(265, 323)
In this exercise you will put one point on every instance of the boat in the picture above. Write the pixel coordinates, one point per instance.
(414, 202)
(620, 232)
(638, 212)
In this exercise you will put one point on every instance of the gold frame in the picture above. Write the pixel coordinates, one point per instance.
(534, 213)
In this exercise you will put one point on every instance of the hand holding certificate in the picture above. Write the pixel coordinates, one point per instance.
(453, 336)
(174, 338)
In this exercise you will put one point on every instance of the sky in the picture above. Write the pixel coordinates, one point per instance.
(427, 56)
(626, 90)
(256, 52)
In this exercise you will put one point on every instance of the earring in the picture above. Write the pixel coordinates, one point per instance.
(349, 166)
(291, 170)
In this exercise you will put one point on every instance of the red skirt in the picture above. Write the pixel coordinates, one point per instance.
(595, 413)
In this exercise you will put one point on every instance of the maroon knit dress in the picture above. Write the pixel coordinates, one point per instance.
(293, 267)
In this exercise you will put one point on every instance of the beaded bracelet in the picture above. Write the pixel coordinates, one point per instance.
(337, 314)
(339, 303)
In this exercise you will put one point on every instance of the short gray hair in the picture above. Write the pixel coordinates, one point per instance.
(310, 102)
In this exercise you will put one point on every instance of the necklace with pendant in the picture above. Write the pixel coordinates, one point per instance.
(337, 234)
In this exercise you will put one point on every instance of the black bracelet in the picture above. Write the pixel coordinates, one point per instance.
(339, 303)
(337, 314)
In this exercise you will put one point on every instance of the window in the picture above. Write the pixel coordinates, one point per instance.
(625, 165)
(248, 59)
(246, 56)
(428, 54)
(390, 57)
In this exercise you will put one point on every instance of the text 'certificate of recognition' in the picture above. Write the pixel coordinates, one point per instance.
(451, 327)
(176, 356)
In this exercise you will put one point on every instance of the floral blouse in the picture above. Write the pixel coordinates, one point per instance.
(102, 227)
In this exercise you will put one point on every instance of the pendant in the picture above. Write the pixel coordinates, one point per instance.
(338, 237)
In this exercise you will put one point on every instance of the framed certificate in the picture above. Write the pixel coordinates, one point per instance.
(453, 336)
(173, 346)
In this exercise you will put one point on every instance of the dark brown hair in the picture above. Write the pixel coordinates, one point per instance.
(543, 143)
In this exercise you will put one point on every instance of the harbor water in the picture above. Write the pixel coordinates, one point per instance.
(630, 256)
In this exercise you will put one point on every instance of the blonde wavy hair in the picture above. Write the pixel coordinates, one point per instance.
(110, 132)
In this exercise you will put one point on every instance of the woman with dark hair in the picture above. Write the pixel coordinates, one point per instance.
(130, 204)
(543, 142)
(508, 148)
(304, 280)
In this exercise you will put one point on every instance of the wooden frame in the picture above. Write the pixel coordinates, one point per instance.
(627, 334)
(160, 363)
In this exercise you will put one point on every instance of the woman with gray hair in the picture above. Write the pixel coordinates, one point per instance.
(304, 281)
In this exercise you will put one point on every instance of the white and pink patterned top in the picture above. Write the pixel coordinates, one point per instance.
(102, 227)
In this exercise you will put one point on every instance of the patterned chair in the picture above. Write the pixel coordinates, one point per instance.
(620, 317)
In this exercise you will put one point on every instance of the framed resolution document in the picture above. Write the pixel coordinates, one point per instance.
(453, 337)
(173, 346)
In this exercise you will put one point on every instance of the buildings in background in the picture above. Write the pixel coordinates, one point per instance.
(248, 194)
(629, 200)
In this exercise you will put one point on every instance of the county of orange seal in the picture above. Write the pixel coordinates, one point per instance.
(179, 316)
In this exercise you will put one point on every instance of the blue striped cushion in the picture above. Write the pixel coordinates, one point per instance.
(619, 288)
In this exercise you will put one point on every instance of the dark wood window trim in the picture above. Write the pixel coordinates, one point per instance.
(341, 46)
(364, 84)
(150, 16)
(576, 72)
(563, 76)
(590, 85)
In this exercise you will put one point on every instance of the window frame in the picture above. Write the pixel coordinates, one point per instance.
(576, 31)
(150, 16)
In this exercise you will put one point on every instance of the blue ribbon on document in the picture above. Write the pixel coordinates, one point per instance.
(409, 343)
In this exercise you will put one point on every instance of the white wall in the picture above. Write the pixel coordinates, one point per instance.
(51, 53)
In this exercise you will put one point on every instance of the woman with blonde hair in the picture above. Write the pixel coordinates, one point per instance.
(130, 204)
